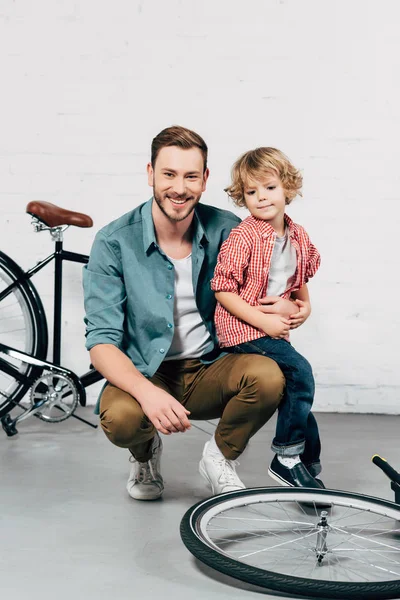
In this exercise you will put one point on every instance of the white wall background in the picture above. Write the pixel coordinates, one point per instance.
(86, 85)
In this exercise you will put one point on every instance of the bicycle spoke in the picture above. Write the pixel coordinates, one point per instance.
(291, 541)
(341, 568)
(366, 539)
(368, 564)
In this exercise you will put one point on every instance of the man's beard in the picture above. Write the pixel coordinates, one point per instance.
(183, 213)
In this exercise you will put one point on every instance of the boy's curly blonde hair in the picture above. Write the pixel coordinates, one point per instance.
(259, 163)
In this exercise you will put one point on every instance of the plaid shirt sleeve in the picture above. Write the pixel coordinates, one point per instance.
(232, 261)
(313, 261)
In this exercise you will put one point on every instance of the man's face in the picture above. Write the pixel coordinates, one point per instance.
(177, 180)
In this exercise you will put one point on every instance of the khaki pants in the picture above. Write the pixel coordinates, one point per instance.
(242, 390)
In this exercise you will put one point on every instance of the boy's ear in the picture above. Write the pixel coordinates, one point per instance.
(289, 196)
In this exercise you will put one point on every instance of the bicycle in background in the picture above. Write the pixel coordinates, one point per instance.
(54, 391)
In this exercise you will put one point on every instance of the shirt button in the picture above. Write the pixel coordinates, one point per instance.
(168, 296)
(169, 325)
(170, 267)
(162, 351)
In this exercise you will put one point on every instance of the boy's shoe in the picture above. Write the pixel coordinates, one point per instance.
(297, 476)
(145, 481)
(219, 472)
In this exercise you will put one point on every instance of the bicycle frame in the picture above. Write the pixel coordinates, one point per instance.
(59, 256)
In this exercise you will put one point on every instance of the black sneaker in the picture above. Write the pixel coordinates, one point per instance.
(297, 476)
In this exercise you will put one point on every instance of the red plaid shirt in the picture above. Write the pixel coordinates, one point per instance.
(243, 268)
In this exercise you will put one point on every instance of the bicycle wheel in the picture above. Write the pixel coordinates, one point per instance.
(275, 538)
(23, 326)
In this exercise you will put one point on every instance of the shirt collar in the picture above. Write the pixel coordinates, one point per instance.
(199, 231)
(266, 230)
(149, 234)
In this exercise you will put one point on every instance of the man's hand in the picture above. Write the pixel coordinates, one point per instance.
(302, 315)
(275, 326)
(167, 414)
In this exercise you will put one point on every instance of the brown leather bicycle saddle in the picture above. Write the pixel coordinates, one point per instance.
(54, 216)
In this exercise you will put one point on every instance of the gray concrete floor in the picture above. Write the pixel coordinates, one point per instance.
(69, 529)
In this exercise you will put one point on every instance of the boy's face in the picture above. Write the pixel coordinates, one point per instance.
(266, 199)
(178, 180)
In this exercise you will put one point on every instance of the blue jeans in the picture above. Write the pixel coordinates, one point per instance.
(296, 428)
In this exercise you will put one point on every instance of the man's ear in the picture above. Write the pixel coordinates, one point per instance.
(205, 177)
(150, 175)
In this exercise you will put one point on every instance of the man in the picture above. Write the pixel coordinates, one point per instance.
(150, 329)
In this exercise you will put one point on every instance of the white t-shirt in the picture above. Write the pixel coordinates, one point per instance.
(191, 338)
(282, 267)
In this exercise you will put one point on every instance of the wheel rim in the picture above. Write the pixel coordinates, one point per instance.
(16, 330)
(277, 533)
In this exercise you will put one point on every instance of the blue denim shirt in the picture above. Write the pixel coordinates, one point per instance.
(129, 284)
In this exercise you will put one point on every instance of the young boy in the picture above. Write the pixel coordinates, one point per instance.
(270, 255)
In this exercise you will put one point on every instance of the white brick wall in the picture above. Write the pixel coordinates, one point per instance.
(86, 85)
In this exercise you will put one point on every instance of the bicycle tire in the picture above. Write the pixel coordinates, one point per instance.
(32, 336)
(207, 552)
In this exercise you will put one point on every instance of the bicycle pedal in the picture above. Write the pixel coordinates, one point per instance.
(8, 425)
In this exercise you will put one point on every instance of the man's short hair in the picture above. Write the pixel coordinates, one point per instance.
(259, 163)
(180, 137)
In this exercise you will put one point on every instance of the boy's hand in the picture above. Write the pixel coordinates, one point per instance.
(304, 312)
(275, 326)
(277, 305)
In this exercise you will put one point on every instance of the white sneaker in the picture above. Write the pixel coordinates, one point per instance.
(219, 472)
(145, 481)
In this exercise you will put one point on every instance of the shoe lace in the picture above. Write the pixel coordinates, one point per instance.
(144, 471)
(228, 471)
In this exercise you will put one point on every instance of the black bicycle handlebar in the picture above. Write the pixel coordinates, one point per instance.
(386, 468)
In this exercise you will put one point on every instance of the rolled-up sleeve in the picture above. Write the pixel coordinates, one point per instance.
(105, 296)
(313, 261)
(232, 261)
